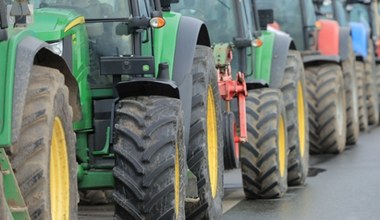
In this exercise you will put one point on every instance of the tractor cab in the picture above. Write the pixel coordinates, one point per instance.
(102, 19)
(3, 21)
(298, 20)
(332, 9)
(366, 13)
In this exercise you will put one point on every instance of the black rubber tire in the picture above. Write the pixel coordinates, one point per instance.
(231, 149)
(327, 108)
(298, 162)
(149, 148)
(352, 105)
(260, 156)
(363, 110)
(205, 82)
(46, 99)
(370, 85)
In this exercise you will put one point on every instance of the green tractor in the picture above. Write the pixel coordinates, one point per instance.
(264, 86)
(331, 115)
(109, 94)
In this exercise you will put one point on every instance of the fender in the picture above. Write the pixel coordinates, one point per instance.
(190, 32)
(281, 47)
(147, 87)
(263, 57)
(27, 50)
(269, 67)
(359, 35)
(328, 38)
(316, 58)
(344, 41)
(256, 84)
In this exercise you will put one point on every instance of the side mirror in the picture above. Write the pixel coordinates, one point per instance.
(133, 25)
(165, 4)
(265, 17)
(3, 15)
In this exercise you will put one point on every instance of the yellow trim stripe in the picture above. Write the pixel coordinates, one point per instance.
(75, 22)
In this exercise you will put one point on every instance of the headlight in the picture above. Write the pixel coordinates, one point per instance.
(56, 47)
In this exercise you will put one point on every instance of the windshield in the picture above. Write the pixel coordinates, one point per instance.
(91, 9)
(359, 13)
(218, 15)
(326, 10)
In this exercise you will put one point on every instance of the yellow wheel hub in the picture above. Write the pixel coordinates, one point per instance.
(281, 146)
(212, 142)
(176, 183)
(301, 118)
(59, 174)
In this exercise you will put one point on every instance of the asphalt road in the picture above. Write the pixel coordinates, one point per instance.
(340, 187)
(345, 186)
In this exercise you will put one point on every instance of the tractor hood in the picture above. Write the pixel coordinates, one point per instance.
(51, 24)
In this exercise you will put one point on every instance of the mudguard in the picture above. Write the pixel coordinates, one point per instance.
(344, 40)
(27, 50)
(271, 57)
(329, 38)
(359, 34)
(282, 44)
(189, 33)
(317, 58)
(147, 87)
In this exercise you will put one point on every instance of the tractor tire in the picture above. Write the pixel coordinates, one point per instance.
(231, 154)
(150, 168)
(205, 151)
(352, 105)
(370, 85)
(363, 110)
(294, 93)
(327, 108)
(263, 159)
(43, 158)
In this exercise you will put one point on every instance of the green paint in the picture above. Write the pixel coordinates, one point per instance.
(7, 63)
(12, 191)
(163, 38)
(101, 93)
(97, 180)
(146, 68)
(49, 25)
(263, 57)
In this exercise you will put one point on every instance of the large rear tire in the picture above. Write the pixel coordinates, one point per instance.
(43, 158)
(205, 152)
(264, 158)
(294, 93)
(327, 108)
(352, 104)
(363, 110)
(370, 86)
(150, 169)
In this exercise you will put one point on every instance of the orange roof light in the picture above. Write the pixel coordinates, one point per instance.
(157, 22)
